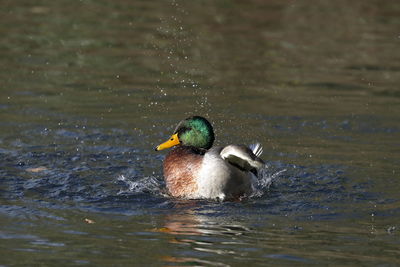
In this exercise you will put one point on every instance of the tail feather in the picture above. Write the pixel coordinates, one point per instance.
(257, 149)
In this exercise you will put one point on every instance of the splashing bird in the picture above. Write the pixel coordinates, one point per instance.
(194, 169)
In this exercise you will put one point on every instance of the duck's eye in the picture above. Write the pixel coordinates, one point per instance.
(172, 139)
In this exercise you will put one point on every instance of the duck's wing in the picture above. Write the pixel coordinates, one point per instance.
(243, 157)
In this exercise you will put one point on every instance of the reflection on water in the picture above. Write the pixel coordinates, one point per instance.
(86, 87)
(203, 233)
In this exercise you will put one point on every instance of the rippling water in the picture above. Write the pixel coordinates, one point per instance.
(89, 88)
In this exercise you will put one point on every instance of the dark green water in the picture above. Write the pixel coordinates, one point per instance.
(88, 88)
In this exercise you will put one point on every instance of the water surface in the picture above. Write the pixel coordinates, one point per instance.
(88, 88)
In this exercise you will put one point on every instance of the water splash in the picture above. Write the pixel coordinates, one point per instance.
(148, 184)
(152, 185)
(264, 181)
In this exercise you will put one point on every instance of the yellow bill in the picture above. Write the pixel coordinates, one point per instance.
(173, 141)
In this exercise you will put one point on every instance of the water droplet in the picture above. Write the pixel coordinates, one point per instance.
(391, 229)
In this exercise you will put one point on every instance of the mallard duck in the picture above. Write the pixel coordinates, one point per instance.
(194, 169)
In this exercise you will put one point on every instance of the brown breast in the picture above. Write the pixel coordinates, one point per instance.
(180, 168)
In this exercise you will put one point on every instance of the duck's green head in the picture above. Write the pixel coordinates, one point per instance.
(194, 131)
